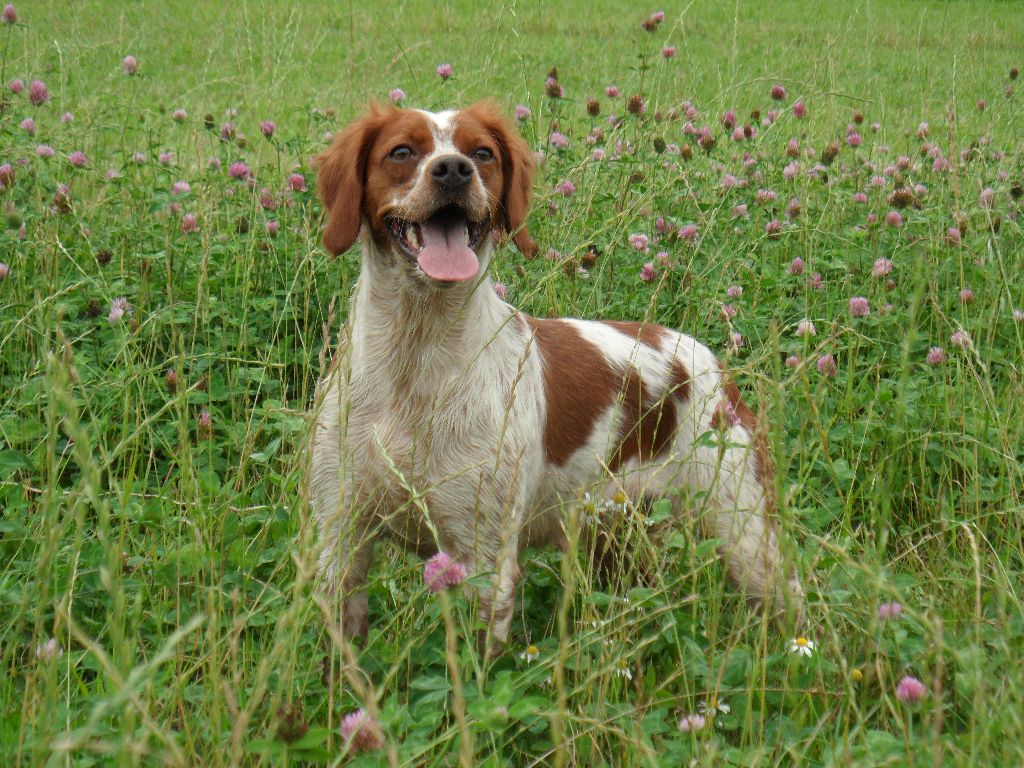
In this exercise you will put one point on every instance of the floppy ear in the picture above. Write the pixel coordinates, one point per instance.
(341, 175)
(517, 170)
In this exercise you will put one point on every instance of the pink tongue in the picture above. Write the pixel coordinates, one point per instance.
(445, 255)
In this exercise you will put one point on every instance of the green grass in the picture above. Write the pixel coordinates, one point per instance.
(173, 564)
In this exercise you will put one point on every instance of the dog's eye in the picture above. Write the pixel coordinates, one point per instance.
(401, 153)
(483, 155)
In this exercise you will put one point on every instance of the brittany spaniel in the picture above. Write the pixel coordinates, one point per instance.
(451, 421)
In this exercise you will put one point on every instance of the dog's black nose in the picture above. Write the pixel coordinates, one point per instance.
(452, 172)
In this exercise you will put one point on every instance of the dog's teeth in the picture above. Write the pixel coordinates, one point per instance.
(413, 237)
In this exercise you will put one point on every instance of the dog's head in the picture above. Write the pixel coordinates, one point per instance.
(431, 188)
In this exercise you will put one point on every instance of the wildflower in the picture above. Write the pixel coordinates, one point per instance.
(960, 339)
(37, 93)
(442, 571)
(9, 15)
(267, 200)
(66, 118)
(729, 181)
(796, 266)
(1018, 315)
(891, 610)
(129, 65)
(827, 365)
(16, 85)
(622, 669)
(522, 112)
(171, 380)
(737, 340)
(799, 109)
(267, 128)
(910, 690)
(790, 171)
(360, 732)
(728, 311)
(966, 296)
(740, 211)
(78, 159)
(6, 175)
(635, 105)
(691, 723)
(881, 268)
(805, 328)
(727, 410)
(987, 197)
(773, 228)
(272, 227)
(894, 219)
(764, 196)
(792, 361)
(51, 649)
(397, 95)
(640, 242)
(119, 307)
(778, 92)
(28, 125)
(165, 158)
(658, 16)
(181, 188)
(853, 139)
(953, 236)
(5, 271)
(559, 140)
(239, 171)
(734, 291)
(179, 115)
(793, 208)
(859, 307)
(714, 706)
(501, 290)
(598, 155)
(566, 188)
(801, 646)
(444, 71)
(228, 132)
(688, 233)
(531, 654)
(297, 182)
(729, 119)
(647, 273)
(204, 425)
(923, 131)
(189, 223)
(668, 52)
(936, 356)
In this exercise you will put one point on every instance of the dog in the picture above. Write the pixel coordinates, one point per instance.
(451, 421)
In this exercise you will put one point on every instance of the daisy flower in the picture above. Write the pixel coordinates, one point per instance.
(801, 646)
(714, 706)
(622, 669)
(531, 653)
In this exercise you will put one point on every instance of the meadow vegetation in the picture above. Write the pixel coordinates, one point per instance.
(830, 196)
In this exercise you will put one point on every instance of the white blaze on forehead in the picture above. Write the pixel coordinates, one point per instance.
(442, 125)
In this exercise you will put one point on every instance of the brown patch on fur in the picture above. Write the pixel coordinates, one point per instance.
(474, 126)
(764, 468)
(646, 333)
(580, 385)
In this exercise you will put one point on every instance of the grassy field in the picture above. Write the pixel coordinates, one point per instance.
(856, 255)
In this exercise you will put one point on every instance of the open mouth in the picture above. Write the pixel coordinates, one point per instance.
(443, 245)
